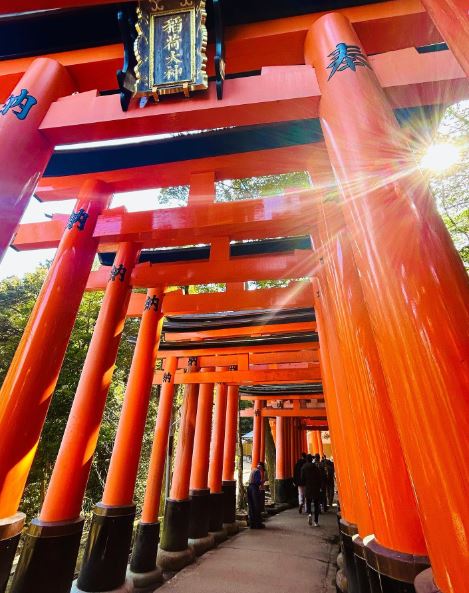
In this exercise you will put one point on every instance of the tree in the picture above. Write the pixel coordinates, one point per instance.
(450, 188)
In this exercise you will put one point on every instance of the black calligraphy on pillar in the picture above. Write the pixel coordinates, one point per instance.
(257, 412)
(346, 56)
(232, 367)
(167, 378)
(118, 272)
(23, 102)
(79, 218)
(151, 303)
(191, 364)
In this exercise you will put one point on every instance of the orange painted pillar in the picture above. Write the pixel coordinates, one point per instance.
(305, 441)
(231, 430)
(174, 552)
(294, 443)
(151, 503)
(145, 547)
(64, 497)
(281, 481)
(199, 517)
(23, 149)
(105, 559)
(355, 511)
(31, 379)
(256, 438)
(286, 446)
(316, 442)
(229, 455)
(393, 507)
(417, 296)
(320, 447)
(262, 438)
(451, 18)
(215, 469)
(120, 481)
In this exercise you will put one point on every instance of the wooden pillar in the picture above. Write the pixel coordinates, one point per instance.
(229, 454)
(61, 509)
(24, 151)
(262, 437)
(415, 288)
(320, 447)
(215, 469)
(256, 439)
(451, 18)
(143, 567)
(281, 480)
(199, 516)
(107, 550)
(355, 511)
(31, 379)
(174, 552)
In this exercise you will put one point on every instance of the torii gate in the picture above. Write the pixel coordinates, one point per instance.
(389, 292)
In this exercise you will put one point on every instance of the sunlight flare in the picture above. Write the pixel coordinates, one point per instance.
(440, 157)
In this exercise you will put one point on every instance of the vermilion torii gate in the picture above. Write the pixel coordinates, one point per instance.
(387, 339)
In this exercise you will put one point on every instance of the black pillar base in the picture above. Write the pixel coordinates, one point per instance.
(107, 548)
(216, 511)
(47, 562)
(174, 552)
(390, 571)
(424, 582)
(10, 532)
(361, 567)
(176, 525)
(199, 516)
(282, 490)
(347, 531)
(145, 547)
(229, 501)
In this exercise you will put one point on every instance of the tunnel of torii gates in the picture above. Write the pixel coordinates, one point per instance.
(368, 340)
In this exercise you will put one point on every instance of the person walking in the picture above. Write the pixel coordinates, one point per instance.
(311, 476)
(299, 483)
(254, 498)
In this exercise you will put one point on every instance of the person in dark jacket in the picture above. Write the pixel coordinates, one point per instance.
(254, 497)
(311, 475)
(298, 481)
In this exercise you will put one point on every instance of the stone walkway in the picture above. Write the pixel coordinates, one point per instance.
(288, 556)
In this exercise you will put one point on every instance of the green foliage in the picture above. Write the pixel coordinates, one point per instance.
(17, 298)
(260, 187)
(450, 188)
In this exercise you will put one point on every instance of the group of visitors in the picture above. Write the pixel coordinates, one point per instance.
(314, 478)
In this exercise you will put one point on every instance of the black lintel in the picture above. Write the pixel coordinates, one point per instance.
(182, 254)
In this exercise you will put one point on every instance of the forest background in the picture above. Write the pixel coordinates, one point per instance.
(18, 295)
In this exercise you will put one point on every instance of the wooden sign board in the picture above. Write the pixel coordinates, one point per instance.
(170, 48)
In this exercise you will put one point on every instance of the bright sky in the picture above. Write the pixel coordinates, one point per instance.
(19, 263)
